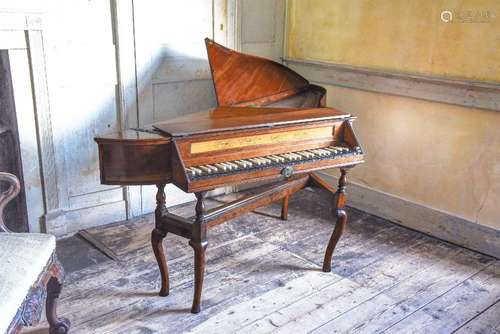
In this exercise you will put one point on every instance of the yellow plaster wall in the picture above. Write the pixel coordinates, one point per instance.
(442, 156)
(438, 155)
(401, 35)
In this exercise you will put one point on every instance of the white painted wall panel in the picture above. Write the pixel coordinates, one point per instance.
(82, 77)
(173, 72)
(182, 97)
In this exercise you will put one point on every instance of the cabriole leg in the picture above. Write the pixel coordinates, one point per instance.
(199, 272)
(157, 236)
(199, 243)
(341, 220)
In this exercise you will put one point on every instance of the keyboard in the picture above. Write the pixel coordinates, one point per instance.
(271, 161)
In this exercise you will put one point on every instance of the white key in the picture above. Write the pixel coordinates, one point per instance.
(248, 163)
(213, 168)
(274, 159)
(197, 170)
(309, 154)
(284, 157)
(341, 148)
(256, 161)
(228, 166)
(320, 152)
(205, 169)
(332, 150)
(298, 156)
(240, 164)
(191, 172)
(233, 165)
(302, 154)
(267, 161)
(221, 167)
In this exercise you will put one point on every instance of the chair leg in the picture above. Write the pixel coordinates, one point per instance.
(56, 325)
(341, 220)
(284, 209)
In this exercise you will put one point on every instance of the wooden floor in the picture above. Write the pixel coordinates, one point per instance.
(263, 275)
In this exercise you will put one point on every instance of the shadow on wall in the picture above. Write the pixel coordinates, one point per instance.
(169, 83)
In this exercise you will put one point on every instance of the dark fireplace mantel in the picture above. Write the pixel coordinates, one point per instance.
(15, 213)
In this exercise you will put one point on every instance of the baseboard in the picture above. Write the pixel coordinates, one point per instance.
(61, 222)
(430, 221)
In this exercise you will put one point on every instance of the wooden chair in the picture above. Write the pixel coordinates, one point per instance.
(29, 274)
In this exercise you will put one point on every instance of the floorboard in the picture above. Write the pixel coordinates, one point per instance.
(263, 275)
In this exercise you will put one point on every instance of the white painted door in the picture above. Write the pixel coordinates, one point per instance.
(261, 27)
(81, 79)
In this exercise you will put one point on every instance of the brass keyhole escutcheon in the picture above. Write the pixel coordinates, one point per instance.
(287, 171)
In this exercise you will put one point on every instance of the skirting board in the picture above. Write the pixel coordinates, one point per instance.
(430, 221)
(64, 223)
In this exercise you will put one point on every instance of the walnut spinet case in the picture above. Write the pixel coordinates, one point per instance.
(270, 124)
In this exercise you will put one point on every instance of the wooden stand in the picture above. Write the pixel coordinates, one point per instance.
(195, 229)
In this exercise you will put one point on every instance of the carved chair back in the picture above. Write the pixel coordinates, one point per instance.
(7, 195)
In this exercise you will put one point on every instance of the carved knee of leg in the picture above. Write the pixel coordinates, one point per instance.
(56, 325)
(157, 235)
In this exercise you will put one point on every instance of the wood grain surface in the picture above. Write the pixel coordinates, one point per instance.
(264, 275)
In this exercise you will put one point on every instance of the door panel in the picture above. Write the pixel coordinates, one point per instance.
(82, 78)
(262, 26)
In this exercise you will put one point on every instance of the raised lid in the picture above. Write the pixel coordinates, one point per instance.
(240, 77)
